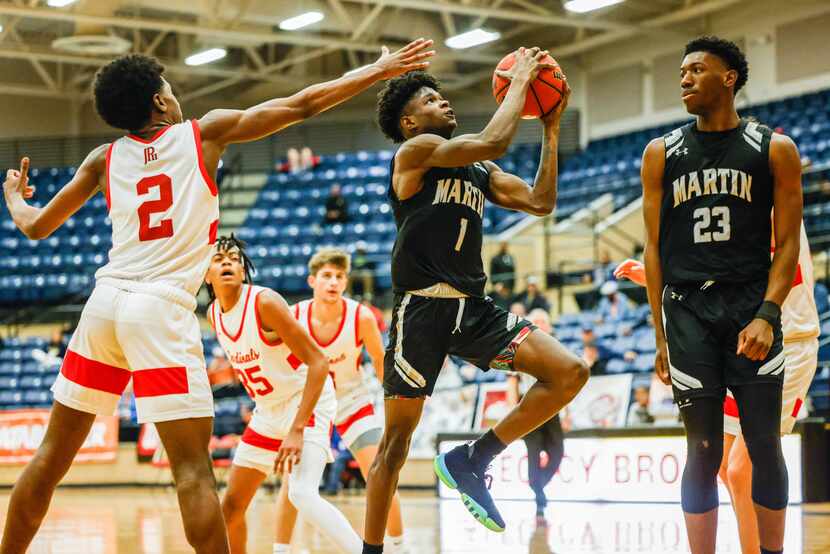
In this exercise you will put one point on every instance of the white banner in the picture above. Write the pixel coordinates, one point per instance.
(602, 402)
(631, 469)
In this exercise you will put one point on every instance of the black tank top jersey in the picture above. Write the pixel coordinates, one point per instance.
(440, 231)
(717, 200)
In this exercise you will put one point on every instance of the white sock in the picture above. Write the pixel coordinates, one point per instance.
(303, 493)
(394, 545)
(281, 548)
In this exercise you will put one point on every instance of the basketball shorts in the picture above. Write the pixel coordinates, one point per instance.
(356, 421)
(144, 332)
(263, 437)
(425, 330)
(800, 368)
(702, 324)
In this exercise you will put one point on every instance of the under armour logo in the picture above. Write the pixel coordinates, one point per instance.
(681, 152)
(676, 296)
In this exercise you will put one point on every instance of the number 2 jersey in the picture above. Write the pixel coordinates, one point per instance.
(271, 374)
(164, 208)
(717, 197)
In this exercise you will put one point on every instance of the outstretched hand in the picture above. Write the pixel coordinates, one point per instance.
(17, 181)
(527, 65)
(412, 57)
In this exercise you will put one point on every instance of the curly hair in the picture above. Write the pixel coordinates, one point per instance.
(394, 96)
(226, 243)
(727, 51)
(124, 90)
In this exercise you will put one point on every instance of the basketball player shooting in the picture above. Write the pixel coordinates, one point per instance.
(287, 375)
(708, 189)
(437, 189)
(139, 322)
(341, 327)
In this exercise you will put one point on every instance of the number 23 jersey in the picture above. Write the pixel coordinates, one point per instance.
(271, 374)
(717, 197)
(164, 208)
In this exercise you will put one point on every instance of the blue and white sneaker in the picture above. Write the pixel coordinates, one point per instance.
(457, 472)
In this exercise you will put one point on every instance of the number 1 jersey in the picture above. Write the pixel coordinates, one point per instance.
(164, 208)
(717, 198)
(440, 231)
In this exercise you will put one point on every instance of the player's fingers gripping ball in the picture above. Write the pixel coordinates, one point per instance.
(545, 92)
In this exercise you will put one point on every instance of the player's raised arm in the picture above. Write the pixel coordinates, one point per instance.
(276, 316)
(430, 150)
(39, 223)
(369, 333)
(785, 164)
(652, 177)
(224, 127)
(511, 191)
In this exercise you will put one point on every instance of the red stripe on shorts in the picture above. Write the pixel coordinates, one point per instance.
(797, 407)
(365, 411)
(160, 381)
(260, 441)
(94, 375)
(730, 407)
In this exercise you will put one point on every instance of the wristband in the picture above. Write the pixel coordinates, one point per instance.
(769, 312)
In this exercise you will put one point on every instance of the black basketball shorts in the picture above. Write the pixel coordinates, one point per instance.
(702, 324)
(426, 329)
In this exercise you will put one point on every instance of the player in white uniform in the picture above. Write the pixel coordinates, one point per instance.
(341, 328)
(287, 376)
(800, 326)
(139, 323)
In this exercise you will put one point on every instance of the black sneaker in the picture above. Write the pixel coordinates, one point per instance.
(455, 470)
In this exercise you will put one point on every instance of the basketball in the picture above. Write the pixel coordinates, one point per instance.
(545, 91)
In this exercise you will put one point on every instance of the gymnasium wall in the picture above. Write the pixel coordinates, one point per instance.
(636, 83)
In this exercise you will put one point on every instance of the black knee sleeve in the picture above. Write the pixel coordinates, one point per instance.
(761, 427)
(703, 418)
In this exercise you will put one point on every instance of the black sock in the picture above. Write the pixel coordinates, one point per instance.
(372, 548)
(765, 551)
(487, 447)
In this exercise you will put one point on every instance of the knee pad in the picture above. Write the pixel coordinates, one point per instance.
(699, 486)
(770, 482)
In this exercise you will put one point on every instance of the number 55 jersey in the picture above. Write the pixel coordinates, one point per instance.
(273, 377)
(717, 197)
(139, 323)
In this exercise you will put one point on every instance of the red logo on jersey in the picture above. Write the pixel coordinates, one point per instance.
(240, 358)
(150, 155)
(338, 359)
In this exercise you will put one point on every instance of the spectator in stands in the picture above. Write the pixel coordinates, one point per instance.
(532, 297)
(517, 308)
(501, 296)
(342, 457)
(337, 209)
(638, 414)
(604, 269)
(614, 305)
(362, 279)
(366, 301)
(596, 356)
(220, 372)
(503, 268)
(57, 347)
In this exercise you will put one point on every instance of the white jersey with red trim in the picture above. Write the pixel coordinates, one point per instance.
(799, 316)
(270, 372)
(164, 208)
(344, 349)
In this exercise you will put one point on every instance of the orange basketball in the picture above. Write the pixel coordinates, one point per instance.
(545, 91)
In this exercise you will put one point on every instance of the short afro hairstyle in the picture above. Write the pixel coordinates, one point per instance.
(124, 90)
(727, 51)
(395, 95)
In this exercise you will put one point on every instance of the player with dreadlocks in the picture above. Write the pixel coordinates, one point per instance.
(287, 375)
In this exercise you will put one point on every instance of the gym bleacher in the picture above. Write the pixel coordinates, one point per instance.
(284, 227)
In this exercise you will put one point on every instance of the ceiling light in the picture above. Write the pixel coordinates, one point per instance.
(471, 38)
(60, 3)
(206, 56)
(1, 27)
(300, 21)
(582, 6)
